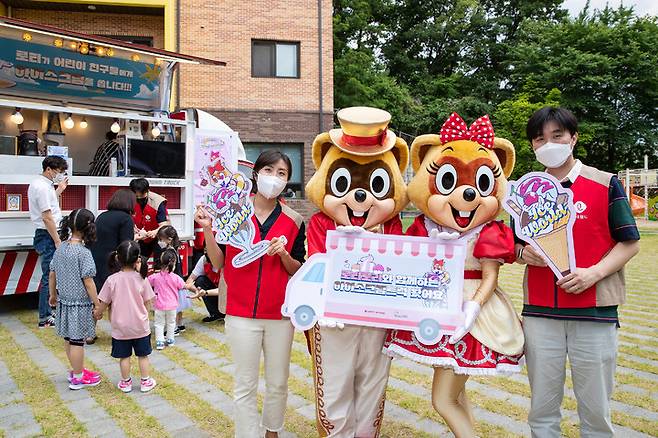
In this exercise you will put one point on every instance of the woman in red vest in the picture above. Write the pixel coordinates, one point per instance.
(255, 293)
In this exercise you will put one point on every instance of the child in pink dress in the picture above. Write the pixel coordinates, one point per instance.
(166, 285)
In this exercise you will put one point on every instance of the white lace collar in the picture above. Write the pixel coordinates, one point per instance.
(447, 233)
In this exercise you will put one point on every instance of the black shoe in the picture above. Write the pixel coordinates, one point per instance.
(180, 329)
(212, 318)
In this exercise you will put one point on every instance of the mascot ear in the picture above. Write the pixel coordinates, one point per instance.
(506, 154)
(419, 148)
(401, 153)
(321, 146)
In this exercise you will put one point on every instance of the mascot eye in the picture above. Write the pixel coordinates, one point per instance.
(484, 178)
(446, 179)
(380, 182)
(341, 181)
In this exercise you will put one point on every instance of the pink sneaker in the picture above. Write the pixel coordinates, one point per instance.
(147, 384)
(83, 382)
(125, 385)
(85, 372)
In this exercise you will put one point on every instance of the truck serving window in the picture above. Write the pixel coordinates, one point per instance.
(316, 274)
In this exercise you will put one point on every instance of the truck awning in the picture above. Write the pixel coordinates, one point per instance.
(109, 42)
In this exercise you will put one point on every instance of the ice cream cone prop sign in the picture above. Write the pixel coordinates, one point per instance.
(544, 215)
(228, 202)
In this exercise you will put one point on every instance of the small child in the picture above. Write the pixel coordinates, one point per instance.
(72, 290)
(166, 285)
(168, 239)
(130, 296)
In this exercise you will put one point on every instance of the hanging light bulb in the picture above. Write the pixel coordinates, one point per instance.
(83, 123)
(155, 132)
(115, 127)
(69, 123)
(17, 117)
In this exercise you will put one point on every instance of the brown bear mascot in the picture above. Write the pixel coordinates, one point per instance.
(358, 187)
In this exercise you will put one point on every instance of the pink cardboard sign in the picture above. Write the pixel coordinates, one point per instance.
(544, 214)
(376, 280)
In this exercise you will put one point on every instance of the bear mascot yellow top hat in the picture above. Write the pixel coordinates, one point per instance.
(459, 184)
(358, 185)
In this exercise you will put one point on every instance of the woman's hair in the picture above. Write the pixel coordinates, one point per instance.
(123, 200)
(268, 158)
(81, 221)
(169, 232)
(126, 255)
(168, 260)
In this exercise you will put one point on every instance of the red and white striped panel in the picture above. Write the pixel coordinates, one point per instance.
(20, 272)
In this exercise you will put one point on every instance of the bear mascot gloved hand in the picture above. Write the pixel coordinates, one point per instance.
(459, 183)
(358, 186)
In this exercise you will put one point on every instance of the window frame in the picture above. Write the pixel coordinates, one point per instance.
(273, 64)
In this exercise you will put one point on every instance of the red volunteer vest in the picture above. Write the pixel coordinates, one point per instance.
(212, 275)
(592, 241)
(258, 289)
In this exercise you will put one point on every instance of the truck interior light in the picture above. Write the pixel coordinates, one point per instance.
(27, 37)
(84, 49)
(155, 132)
(115, 126)
(69, 123)
(17, 117)
(83, 123)
(58, 42)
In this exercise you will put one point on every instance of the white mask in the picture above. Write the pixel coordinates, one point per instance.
(553, 155)
(270, 186)
(162, 244)
(59, 177)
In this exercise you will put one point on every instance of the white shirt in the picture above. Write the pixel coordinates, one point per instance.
(41, 196)
(198, 270)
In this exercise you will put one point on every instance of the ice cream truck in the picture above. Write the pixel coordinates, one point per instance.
(66, 93)
(395, 282)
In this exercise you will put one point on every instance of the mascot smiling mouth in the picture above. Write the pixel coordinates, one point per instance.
(463, 218)
(357, 218)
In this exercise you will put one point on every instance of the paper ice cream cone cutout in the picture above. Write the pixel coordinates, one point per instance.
(555, 247)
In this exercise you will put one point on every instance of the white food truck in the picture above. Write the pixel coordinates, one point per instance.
(62, 93)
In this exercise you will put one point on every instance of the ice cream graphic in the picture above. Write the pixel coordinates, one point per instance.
(544, 214)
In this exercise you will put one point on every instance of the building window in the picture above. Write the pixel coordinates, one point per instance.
(293, 151)
(274, 59)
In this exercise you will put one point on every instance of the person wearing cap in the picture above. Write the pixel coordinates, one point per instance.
(357, 186)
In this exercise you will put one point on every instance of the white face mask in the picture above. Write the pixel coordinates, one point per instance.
(59, 177)
(162, 244)
(270, 186)
(553, 155)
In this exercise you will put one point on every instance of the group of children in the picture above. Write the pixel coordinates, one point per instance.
(129, 291)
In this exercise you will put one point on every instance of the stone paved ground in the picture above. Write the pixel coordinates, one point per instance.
(195, 380)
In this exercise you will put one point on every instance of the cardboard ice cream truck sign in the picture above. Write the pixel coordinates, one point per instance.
(544, 214)
(377, 280)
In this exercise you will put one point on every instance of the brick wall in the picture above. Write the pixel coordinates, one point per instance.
(224, 29)
(99, 24)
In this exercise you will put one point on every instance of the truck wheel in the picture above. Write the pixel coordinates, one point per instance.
(429, 331)
(304, 317)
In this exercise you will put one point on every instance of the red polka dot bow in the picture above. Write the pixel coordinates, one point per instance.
(481, 131)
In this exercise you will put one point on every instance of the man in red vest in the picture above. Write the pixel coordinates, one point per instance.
(576, 317)
(150, 214)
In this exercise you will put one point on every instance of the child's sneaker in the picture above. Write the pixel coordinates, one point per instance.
(159, 345)
(86, 372)
(171, 342)
(147, 384)
(84, 381)
(180, 329)
(125, 385)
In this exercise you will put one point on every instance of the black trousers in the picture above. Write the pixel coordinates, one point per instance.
(211, 302)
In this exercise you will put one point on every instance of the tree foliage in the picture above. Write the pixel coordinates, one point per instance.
(423, 60)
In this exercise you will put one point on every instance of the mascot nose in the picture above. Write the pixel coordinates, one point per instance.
(360, 195)
(469, 194)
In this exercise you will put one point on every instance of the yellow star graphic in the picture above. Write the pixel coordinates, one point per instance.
(152, 73)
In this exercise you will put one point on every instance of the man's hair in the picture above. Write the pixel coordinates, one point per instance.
(140, 185)
(562, 116)
(54, 162)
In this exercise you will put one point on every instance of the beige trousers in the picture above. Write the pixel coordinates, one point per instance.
(350, 374)
(592, 351)
(248, 338)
